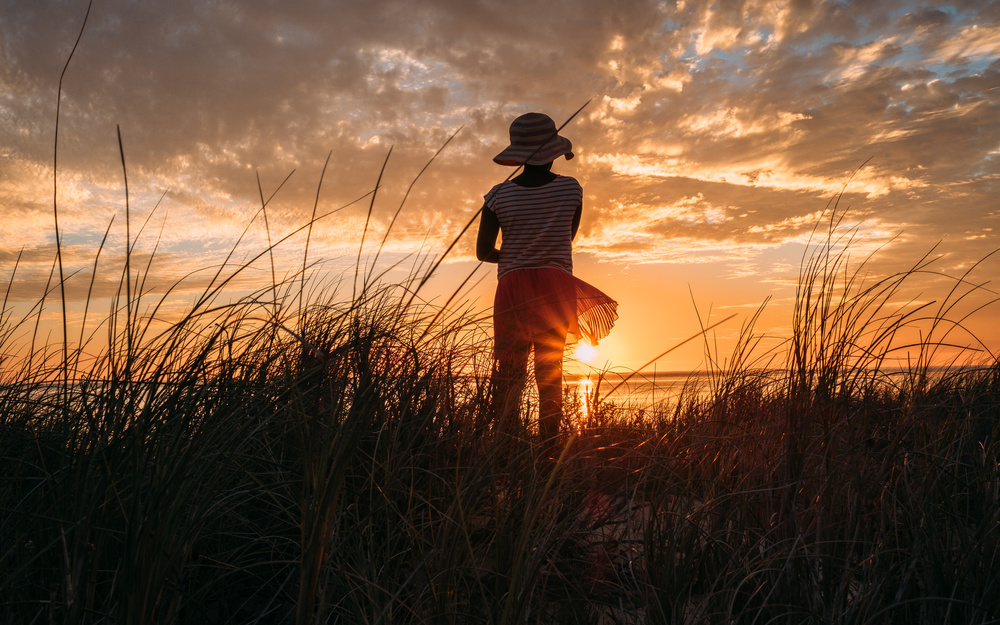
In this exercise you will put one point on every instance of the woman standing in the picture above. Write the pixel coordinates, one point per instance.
(539, 306)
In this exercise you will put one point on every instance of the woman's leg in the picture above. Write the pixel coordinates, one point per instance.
(549, 348)
(509, 379)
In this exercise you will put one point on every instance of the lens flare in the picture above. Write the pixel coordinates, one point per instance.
(585, 353)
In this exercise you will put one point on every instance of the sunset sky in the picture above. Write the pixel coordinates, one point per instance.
(715, 135)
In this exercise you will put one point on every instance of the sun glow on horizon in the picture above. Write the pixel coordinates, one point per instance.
(585, 353)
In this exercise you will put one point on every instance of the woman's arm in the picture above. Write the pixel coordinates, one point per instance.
(486, 241)
(576, 220)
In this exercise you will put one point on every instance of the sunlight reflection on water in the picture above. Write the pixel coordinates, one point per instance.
(657, 394)
(641, 394)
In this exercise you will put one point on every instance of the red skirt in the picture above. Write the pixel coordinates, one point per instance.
(532, 301)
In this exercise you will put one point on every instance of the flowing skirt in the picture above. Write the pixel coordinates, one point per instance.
(530, 302)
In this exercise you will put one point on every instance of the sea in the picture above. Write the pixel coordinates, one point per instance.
(659, 392)
(637, 392)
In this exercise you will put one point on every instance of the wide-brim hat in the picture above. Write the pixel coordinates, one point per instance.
(534, 140)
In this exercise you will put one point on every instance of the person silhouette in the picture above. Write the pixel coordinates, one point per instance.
(540, 306)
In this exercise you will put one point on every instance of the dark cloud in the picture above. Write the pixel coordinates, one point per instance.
(925, 19)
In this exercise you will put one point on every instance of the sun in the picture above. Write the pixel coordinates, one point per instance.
(585, 353)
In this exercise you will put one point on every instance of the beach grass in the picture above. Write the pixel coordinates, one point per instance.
(311, 455)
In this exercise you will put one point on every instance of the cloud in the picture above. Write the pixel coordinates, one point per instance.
(714, 129)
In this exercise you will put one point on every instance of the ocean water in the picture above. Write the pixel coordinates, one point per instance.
(640, 392)
(660, 391)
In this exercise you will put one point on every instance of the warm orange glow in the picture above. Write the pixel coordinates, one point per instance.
(585, 353)
(584, 393)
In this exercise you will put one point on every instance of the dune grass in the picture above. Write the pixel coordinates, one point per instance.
(311, 456)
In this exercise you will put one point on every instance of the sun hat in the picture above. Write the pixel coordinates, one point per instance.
(534, 140)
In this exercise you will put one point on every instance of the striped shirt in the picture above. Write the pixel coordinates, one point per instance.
(536, 223)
